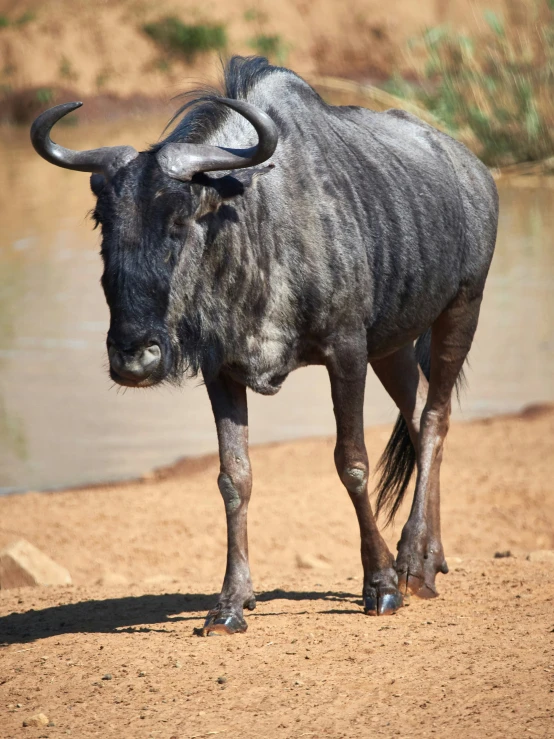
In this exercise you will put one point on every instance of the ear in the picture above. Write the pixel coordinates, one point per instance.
(217, 190)
(97, 182)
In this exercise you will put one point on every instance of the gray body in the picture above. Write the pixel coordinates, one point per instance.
(372, 220)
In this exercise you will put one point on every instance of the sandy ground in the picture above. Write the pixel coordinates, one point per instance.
(114, 655)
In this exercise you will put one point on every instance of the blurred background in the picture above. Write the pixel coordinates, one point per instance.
(483, 71)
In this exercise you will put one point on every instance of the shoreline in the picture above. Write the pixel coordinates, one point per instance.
(185, 465)
(20, 107)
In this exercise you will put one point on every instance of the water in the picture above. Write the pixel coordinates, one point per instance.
(62, 422)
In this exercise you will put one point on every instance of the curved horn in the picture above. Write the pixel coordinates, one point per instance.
(106, 160)
(182, 161)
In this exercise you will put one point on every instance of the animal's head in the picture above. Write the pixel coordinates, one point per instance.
(151, 206)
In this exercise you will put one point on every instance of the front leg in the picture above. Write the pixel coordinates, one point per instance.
(347, 371)
(228, 399)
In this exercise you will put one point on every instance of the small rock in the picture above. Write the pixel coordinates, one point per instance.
(22, 564)
(536, 410)
(111, 579)
(38, 719)
(107, 676)
(541, 555)
(221, 680)
(502, 555)
(142, 673)
(310, 562)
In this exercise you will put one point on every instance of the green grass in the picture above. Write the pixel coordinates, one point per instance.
(45, 95)
(23, 19)
(66, 69)
(494, 90)
(27, 17)
(271, 46)
(253, 15)
(177, 37)
(103, 77)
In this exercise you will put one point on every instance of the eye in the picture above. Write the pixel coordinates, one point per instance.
(177, 226)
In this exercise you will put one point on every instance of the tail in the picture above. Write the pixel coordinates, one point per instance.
(398, 461)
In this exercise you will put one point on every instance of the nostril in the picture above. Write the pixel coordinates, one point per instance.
(137, 365)
(116, 362)
(151, 354)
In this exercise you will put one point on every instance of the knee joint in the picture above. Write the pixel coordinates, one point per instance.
(355, 479)
(230, 492)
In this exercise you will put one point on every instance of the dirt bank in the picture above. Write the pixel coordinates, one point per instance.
(100, 47)
(148, 557)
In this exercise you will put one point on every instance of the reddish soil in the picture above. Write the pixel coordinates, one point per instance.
(99, 48)
(147, 559)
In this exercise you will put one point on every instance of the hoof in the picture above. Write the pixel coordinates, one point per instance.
(419, 561)
(416, 585)
(219, 623)
(382, 604)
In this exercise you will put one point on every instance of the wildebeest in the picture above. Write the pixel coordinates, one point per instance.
(339, 236)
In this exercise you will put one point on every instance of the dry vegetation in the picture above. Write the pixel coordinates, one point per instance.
(495, 88)
(483, 69)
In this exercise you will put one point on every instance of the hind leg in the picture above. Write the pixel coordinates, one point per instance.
(420, 551)
(403, 379)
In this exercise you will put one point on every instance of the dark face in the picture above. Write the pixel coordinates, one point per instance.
(144, 218)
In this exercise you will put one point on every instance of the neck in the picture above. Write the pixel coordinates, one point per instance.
(219, 292)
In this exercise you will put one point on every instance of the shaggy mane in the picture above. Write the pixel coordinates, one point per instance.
(202, 116)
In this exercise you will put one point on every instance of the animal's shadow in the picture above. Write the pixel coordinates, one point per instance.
(134, 613)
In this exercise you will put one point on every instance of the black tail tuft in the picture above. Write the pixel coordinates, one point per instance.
(398, 461)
